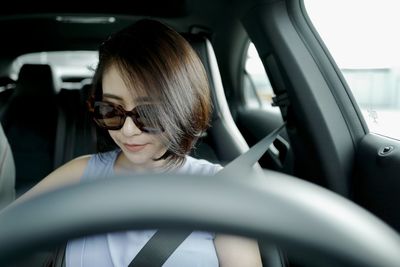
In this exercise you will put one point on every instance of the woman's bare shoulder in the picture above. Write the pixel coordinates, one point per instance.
(67, 174)
(70, 171)
(76, 165)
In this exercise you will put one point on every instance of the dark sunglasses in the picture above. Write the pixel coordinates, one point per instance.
(112, 117)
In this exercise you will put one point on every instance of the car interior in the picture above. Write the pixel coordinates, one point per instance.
(64, 130)
(325, 141)
(7, 171)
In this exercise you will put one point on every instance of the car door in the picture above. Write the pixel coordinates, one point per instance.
(331, 140)
(368, 67)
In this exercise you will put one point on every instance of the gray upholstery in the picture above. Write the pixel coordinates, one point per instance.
(7, 171)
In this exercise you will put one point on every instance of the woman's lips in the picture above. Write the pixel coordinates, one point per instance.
(134, 147)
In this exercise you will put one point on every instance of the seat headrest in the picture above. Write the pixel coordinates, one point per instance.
(35, 79)
(6, 81)
(199, 44)
(230, 142)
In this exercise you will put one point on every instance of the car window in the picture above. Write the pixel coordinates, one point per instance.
(365, 45)
(258, 91)
(72, 69)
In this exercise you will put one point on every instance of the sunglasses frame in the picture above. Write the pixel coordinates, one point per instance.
(133, 114)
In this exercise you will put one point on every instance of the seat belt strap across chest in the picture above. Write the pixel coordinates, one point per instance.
(164, 242)
(159, 248)
(245, 162)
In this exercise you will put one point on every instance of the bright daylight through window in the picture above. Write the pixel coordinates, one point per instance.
(71, 69)
(366, 46)
(258, 91)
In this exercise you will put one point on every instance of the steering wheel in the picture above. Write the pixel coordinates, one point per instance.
(318, 227)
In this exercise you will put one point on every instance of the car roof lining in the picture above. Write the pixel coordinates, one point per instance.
(172, 8)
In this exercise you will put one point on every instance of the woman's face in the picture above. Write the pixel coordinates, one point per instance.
(139, 148)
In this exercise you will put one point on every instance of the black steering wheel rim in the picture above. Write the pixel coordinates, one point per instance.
(320, 227)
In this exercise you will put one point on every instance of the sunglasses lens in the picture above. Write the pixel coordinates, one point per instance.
(111, 117)
(144, 122)
(108, 116)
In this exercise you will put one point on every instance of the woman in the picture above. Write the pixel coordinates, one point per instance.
(151, 102)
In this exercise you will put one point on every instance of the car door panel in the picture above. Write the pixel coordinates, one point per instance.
(377, 180)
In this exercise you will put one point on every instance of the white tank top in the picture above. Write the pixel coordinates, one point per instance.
(119, 249)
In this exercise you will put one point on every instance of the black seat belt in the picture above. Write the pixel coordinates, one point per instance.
(164, 242)
(159, 248)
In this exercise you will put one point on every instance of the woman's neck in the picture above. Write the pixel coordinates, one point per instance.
(124, 165)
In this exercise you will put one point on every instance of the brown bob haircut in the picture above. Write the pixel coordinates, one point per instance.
(157, 62)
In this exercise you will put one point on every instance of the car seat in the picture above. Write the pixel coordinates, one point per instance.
(223, 138)
(76, 133)
(7, 171)
(29, 122)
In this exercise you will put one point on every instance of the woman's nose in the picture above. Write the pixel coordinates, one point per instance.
(129, 128)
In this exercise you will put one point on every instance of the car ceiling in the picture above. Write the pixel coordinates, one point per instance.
(171, 8)
(48, 27)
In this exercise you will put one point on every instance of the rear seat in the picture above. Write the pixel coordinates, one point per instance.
(29, 121)
(76, 133)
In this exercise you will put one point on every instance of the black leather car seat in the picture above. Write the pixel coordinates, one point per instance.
(7, 172)
(76, 133)
(29, 121)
